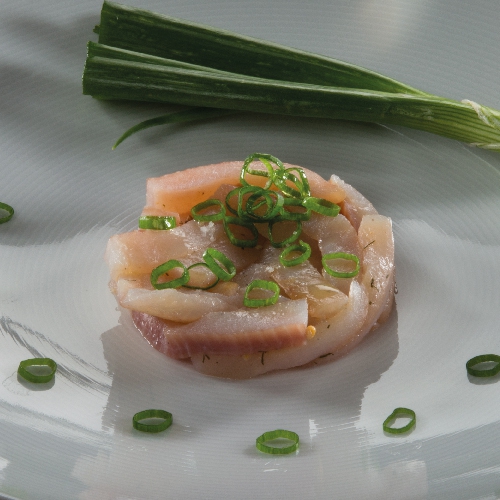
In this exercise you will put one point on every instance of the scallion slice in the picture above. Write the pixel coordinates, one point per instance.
(214, 258)
(233, 193)
(263, 442)
(211, 285)
(344, 256)
(399, 412)
(321, 206)
(219, 215)
(302, 247)
(263, 285)
(290, 239)
(283, 179)
(36, 377)
(298, 212)
(240, 242)
(482, 372)
(259, 197)
(157, 222)
(9, 210)
(164, 416)
(266, 159)
(163, 269)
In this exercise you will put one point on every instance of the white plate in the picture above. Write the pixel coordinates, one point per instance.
(74, 440)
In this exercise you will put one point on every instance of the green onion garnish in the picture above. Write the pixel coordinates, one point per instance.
(262, 442)
(157, 222)
(266, 159)
(214, 258)
(340, 255)
(163, 269)
(290, 239)
(399, 412)
(483, 358)
(321, 206)
(263, 285)
(9, 210)
(240, 242)
(233, 192)
(259, 198)
(303, 212)
(283, 177)
(219, 215)
(211, 285)
(34, 377)
(164, 416)
(302, 247)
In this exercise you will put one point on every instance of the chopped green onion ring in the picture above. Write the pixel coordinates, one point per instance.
(399, 412)
(163, 269)
(36, 378)
(295, 234)
(233, 192)
(211, 285)
(240, 242)
(340, 255)
(152, 427)
(302, 247)
(261, 441)
(157, 222)
(214, 258)
(265, 159)
(272, 199)
(295, 202)
(483, 358)
(301, 183)
(321, 206)
(195, 211)
(9, 210)
(264, 285)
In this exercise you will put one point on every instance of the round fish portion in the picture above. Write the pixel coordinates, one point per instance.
(317, 316)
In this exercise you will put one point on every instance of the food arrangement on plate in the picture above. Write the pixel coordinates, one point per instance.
(269, 267)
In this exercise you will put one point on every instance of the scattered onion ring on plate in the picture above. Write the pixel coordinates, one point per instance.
(399, 412)
(9, 210)
(262, 442)
(481, 372)
(164, 416)
(35, 377)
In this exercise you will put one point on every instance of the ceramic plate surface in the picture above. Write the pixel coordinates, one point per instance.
(74, 439)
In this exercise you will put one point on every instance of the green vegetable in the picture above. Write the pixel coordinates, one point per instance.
(214, 258)
(302, 247)
(9, 210)
(170, 60)
(263, 285)
(156, 222)
(321, 206)
(164, 416)
(399, 412)
(482, 372)
(250, 242)
(163, 269)
(211, 285)
(278, 434)
(34, 377)
(197, 215)
(343, 256)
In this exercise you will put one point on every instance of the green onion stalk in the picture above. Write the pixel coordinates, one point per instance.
(144, 56)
